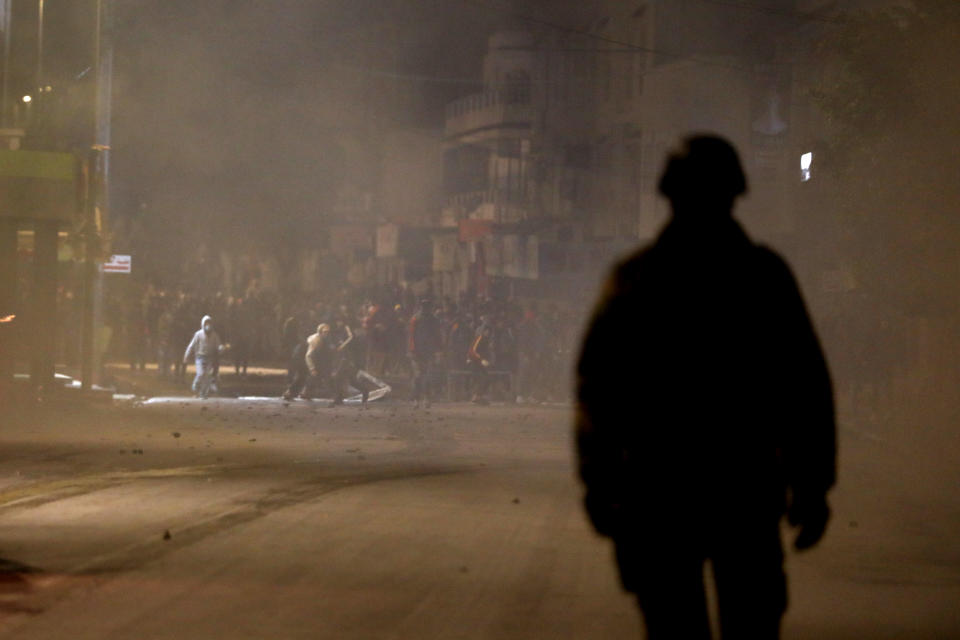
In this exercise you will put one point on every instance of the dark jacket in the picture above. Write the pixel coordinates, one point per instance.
(702, 389)
(425, 337)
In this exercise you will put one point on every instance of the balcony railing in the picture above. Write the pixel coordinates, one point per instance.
(489, 109)
(497, 205)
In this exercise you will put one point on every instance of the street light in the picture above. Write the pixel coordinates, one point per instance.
(27, 99)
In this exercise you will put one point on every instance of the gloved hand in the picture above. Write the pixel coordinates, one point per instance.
(809, 513)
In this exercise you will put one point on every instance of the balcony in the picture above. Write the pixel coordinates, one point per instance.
(493, 109)
(497, 205)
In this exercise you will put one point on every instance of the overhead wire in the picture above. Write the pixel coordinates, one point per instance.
(589, 34)
(803, 16)
(621, 46)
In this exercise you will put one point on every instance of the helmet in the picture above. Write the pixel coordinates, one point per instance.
(705, 168)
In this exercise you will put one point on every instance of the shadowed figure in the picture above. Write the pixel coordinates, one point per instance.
(705, 412)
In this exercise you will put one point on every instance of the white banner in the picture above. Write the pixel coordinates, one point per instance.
(117, 264)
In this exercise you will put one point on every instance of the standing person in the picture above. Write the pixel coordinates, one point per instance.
(505, 354)
(290, 336)
(297, 372)
(137, 335)
(205, 347)
(346, 371)
(530, 347)
(155, 305)
(478, 361)
(319, 360)
(460, 336)
(425, 339)
(165, 353)
(378, 324)
(182, 333)
(731, 419)
(241, 335)
(397, 341)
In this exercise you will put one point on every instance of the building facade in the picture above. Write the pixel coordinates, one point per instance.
(551, 171)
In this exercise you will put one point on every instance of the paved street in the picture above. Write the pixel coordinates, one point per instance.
(236, 519)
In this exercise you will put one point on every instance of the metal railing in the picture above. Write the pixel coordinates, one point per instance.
(509, 205)
(510, 97)
(489, 108)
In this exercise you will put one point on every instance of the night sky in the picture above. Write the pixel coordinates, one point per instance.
(229, 113)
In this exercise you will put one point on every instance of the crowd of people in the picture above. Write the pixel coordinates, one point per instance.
(477, 348)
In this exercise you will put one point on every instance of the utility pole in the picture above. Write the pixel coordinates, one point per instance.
(38, 84)
(97, 201)
(6, 19)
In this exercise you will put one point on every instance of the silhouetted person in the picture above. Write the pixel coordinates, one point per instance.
(705, 412)
(424, 340)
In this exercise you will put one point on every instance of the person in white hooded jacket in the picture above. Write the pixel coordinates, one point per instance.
(205, 347)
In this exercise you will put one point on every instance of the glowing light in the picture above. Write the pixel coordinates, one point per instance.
(806, 161)
(28, 99)
(7, 318)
